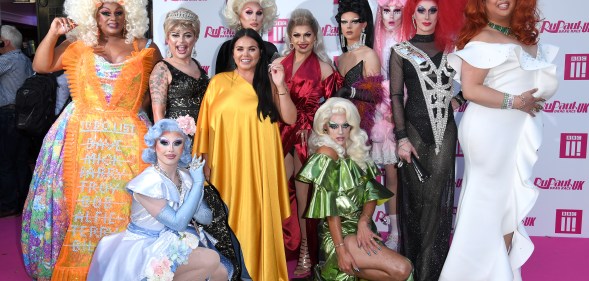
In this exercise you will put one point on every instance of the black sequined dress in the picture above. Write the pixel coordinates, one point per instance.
(425, 209)
(185, 93)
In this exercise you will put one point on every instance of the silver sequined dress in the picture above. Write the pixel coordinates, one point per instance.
(425, 209)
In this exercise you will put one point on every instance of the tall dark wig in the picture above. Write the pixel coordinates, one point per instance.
(262, 84)
(362, 8)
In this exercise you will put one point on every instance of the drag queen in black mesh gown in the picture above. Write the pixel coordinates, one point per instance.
(178, 82)
(425, 127)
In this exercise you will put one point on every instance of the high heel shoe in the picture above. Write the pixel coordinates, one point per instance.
(304, 264)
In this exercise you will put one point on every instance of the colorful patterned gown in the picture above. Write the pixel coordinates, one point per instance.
(341, 188)
(78, 194)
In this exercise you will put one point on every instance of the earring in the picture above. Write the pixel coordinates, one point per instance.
(291, 46)
(194, 53)
(414, 22)
(168, 52)
(363, 37)
(342, 40)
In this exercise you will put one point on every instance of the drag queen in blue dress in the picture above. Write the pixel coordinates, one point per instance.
(165, 238)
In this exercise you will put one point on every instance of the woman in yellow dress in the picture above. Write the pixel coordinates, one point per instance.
(238, 134)
(78, 194)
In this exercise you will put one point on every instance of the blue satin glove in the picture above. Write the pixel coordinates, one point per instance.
(204, 214)
(178, 220)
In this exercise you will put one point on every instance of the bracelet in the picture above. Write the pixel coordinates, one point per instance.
(369, 218)
(523, 102)
(353, 92)
(282, 94)
(507, 101)
(339, 245)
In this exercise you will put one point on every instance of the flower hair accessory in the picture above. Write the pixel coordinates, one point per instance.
(187, 124)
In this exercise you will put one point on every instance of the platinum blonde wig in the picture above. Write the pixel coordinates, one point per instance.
(302, 17)
(182, 18)
(356, 147)
(83, 13)
(233, 10)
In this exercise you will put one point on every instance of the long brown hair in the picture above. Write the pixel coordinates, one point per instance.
(523, 21)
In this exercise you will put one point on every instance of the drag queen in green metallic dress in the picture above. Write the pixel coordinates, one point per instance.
(345, 195)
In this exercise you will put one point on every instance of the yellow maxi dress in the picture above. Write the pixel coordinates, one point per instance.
(247, 167)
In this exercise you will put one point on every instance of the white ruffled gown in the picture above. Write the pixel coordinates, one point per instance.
(500, 149)
(148, 250)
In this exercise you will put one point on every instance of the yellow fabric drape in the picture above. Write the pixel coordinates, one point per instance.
(247, 167)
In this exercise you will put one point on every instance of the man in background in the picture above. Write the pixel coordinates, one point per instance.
(15, 174)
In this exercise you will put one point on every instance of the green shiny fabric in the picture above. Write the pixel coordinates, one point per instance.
(340, 188)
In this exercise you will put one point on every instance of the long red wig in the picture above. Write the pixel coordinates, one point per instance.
(450, 21)
(523, 21)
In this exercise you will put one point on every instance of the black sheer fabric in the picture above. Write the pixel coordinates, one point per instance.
(225, 61)
(185, 93)
(424, 209)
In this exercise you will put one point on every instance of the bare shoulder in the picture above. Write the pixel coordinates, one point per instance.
(326, 69)
(326, 150)
(488, 35)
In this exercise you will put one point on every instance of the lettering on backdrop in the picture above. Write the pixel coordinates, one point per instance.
(556, 184)
(459, 152)
(566, 107)
(206, 68)
(575, 67)
(573, 145)
(568, 221)
(219, 32)
(529, 221)
(277, 33)
(564, 27)
(329, 30)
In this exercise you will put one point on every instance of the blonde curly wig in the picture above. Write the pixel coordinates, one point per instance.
(233, 9)
(83, 13)
(356, 147)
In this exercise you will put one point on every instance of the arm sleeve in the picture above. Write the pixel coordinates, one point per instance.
(178, 220)
(397, 91)
(203, 215)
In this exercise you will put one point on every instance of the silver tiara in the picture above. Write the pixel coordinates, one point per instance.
(183, 14)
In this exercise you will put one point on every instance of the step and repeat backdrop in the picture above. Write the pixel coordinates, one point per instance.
(562, 169)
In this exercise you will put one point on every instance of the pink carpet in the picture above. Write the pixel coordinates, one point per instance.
(553, 259)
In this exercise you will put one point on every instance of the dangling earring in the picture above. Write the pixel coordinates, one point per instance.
(291, 46)
(342, 40)
(194, 53)
(414, 22)
(168, 52)
(363, 36)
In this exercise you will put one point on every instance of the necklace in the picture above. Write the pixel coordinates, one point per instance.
(355, 46)
(502, 29)
(179, 185)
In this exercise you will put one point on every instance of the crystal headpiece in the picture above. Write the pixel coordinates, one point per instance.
(182, 14)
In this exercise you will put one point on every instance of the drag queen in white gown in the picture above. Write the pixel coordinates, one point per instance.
(159, 243)
(500, 69)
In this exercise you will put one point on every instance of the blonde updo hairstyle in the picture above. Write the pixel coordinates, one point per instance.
(302, 17)
(356, 147)
(191, 23)
(233, 10)
(83, 13)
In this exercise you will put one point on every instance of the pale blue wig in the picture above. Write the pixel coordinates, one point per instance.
(155, 132)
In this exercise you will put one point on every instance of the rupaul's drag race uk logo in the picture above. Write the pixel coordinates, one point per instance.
(559, 184)
(218, 32)
(566, 107)
(564, 27)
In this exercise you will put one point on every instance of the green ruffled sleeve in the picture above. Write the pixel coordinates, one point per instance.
(340, 187)
(321, 171)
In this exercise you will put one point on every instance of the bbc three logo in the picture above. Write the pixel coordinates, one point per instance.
(573, 145)
(576, 66)
(568, 221)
